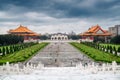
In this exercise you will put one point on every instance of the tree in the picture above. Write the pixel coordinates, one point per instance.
(108, 48)
(74, 37)
(44, 37)
(7, 50)
(3, 51)
(111, 51)
(115, 51)
(104, 48)
(118, 49)
(11, 49)
(115, 40)
(10, 39)
(0, 51)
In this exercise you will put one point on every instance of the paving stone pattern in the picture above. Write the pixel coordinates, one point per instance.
(59, 54)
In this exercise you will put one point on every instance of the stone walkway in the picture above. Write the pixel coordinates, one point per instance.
(58, 54)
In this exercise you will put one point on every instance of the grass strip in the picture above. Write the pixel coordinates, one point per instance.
(95, 54)
(22, 55)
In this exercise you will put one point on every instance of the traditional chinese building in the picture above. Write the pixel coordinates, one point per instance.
(95, 31)
(25, 32)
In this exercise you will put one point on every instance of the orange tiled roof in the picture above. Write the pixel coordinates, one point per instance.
(22, 29)
(93, 32)
(94, 29)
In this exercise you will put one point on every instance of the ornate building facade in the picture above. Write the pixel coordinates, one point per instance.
(59, 36)
(95, 31)
(25, 32)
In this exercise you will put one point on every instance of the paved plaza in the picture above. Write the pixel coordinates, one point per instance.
(59, 54)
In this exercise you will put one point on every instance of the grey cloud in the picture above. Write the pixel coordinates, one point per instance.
(63, 8)
(56, 12)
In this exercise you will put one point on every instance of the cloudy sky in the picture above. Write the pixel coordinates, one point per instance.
(50, 16)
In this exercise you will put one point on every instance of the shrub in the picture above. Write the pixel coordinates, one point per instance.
(111, 51)
(96, 54)
(115, 51)
(118, 49)
(115, 40)
(22, 55)
(3, 51)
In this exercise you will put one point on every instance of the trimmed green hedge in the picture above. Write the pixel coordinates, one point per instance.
(15, 48)
(95, 54)
(113, 45)
(22, 55)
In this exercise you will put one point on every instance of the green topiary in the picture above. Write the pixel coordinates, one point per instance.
(111, 50)
(118, 49)
(115, 51)
(3, 51)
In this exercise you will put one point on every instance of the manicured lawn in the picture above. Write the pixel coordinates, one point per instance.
(22, 55)
(95, 54)
(112, 45)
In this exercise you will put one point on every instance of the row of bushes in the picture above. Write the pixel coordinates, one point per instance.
(23, 54)
(107, 49)
(10, 39)
(96, 54)
(13, 48)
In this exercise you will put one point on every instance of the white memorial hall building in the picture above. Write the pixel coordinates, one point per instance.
(59, 36)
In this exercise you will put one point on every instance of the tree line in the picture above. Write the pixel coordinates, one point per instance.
(10, 39)
(116, 39)
(113, 40)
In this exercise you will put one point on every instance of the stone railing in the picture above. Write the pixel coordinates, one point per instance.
(93, 68)
(87, 68)
(17, 69)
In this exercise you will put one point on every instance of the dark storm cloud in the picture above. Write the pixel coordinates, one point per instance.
(56, 13)
(64, 8)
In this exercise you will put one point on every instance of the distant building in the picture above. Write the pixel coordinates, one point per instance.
(25, 32)
(72, 33)
(59, 36)
(93, 32)
(115, 30)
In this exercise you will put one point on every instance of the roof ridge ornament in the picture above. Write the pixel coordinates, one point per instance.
(20, 25)
(98, 25)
